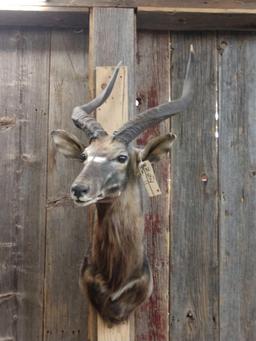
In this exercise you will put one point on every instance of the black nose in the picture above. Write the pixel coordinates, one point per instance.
(79, 190)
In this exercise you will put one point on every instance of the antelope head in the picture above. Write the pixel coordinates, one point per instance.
(110, 162)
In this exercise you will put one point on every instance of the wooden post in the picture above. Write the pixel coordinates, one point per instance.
(107, 47)
(117, 106)
(112, 38)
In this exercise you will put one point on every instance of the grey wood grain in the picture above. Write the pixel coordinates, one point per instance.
(153, 83)
(188, 20)
(194, 209)
(224, 4)
(66, 238)
(237, 187)
(112, 39)
(151, 15)
(24, 104)
(148, 18)
(46, 17)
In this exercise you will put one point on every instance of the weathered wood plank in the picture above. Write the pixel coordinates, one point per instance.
(216, 6)
(107, 47)
(67, 235)
(47, 17)
(9, 165)
(194, 209)
(237, 187)
(224, 4)
(169, 19)
(187, 20)
(23, 139)
(153, 83)
(175, 16)
(150, 7)
(117, 103)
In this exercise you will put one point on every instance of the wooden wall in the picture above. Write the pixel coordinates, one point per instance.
(200, 234)
(43, 237)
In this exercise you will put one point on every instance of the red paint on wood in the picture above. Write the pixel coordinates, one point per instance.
(157, 320)
(152, 223)
(165, 174)
(153, 89)
(153, 100)
(148, 135)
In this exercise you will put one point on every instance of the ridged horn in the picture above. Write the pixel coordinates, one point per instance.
(81, 114)
(130, 130)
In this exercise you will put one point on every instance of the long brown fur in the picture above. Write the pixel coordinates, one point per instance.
(118, 257)
(115, 274)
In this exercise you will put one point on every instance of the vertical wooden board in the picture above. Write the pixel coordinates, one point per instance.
(112, 39)
(237, 186)
(153, 85)
(66, 240)
(24, 104)
(117, 104)
(33, 96)
(194, 212)
(9, 163)
(107, 47)
(117, 333)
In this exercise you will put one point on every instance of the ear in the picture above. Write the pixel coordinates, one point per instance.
(157, 147)
(67, 144)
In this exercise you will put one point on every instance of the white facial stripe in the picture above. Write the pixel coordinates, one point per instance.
(98, 159)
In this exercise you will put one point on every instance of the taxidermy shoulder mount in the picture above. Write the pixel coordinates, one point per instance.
(117, 276)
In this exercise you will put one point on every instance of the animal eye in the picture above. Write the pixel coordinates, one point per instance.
(83, 157)
(122, 158)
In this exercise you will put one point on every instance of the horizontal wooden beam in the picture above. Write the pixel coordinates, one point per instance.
(221, 4)
(192, 19)
(50, 16)
(175, 17)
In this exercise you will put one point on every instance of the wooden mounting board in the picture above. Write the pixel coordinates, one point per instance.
(122, 100)
(112, 114)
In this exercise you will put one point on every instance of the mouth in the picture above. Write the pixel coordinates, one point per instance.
(84, 203)
(100, 198)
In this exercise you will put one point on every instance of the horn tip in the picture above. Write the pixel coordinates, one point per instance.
(54, 132)
(172, 135)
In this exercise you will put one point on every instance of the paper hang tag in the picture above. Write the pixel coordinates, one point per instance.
(149, 179)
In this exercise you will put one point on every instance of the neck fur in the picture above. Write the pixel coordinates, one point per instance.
(118, 237)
